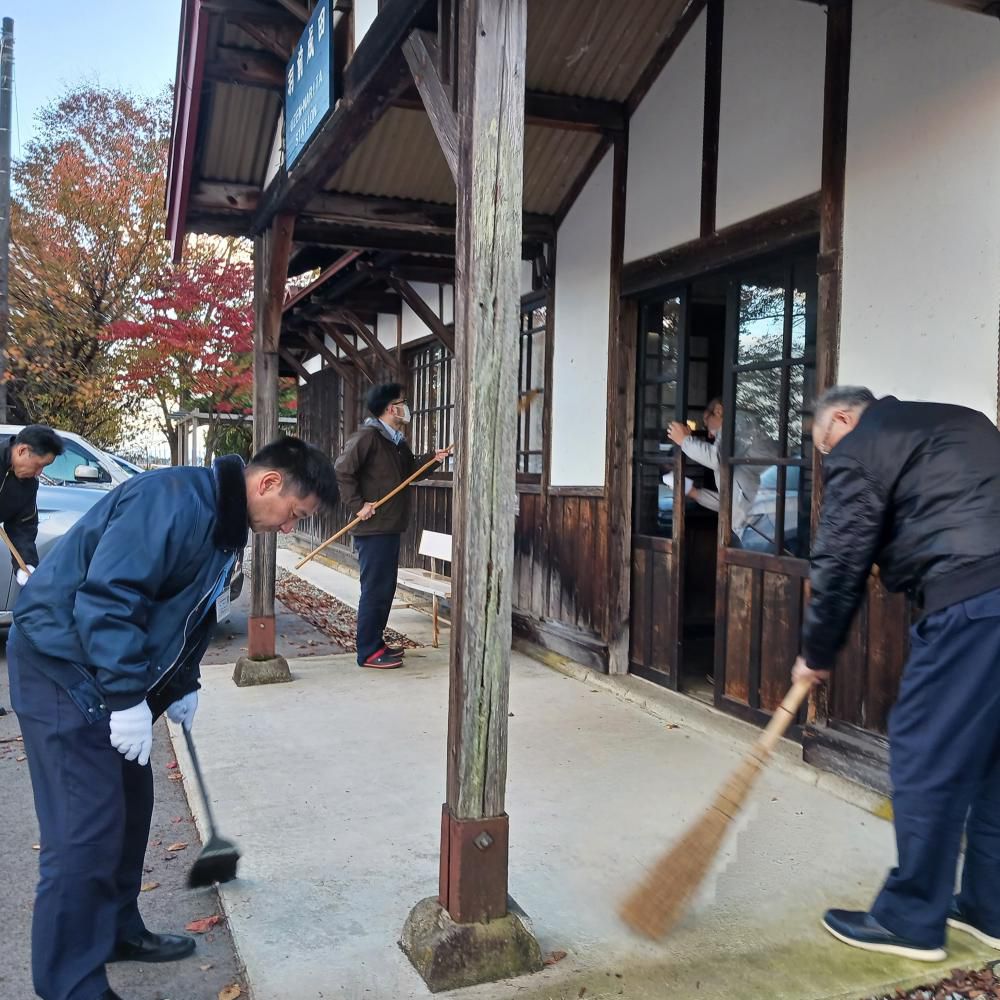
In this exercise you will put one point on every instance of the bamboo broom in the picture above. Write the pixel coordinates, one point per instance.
(658, 902)
(378, 503)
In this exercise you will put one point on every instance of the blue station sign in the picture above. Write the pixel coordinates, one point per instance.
(309, 82)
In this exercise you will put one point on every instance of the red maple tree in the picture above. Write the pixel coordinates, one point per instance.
(190, 348)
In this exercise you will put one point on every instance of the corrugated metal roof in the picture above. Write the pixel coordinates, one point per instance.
(591, 48)
(401, 158)
(586, 48)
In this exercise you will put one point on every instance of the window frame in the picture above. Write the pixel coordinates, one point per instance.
(526, 338)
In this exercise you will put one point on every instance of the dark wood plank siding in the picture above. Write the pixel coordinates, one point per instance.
(766, 600)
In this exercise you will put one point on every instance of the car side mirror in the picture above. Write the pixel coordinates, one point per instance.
(87, 474)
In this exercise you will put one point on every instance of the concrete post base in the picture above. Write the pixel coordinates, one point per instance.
(449, 955)
(249, 672)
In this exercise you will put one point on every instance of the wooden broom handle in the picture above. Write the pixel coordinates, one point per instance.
(784, 715)
(13, 551)
(378, 503)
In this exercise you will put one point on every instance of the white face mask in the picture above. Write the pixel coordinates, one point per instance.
(406, 416)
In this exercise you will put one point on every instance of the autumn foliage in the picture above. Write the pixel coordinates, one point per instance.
(191, 342)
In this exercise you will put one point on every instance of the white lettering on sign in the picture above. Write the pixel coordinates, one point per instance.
(299, 61)
(310, 44)
(291, 80)
(321, 22)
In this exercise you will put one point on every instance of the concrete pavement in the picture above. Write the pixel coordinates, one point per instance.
(333, 785)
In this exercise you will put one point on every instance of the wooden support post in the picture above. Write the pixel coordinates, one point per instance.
(621, 421)
(271, 253)
(487, 307)
(450, 939)
(424, 59)
(831, 225)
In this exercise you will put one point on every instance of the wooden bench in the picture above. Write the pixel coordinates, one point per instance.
(436, 547)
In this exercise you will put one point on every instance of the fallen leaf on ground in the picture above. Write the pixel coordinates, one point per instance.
(169, 857)
(555, 956)
(203, 925)
(173, 848)
(36, 847)
(230, 992)
(172, 766)
(177, 819)
(206, 967)
(176, 777)
(20, 759)
(149, 886)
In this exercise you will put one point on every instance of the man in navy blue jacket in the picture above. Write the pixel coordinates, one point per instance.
(108, 634)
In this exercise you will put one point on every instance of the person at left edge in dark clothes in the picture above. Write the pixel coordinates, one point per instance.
(376, 459)
(914, 488)
(23, 456)
(108, 634)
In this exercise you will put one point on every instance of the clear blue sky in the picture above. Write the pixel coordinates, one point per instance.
(58, 43)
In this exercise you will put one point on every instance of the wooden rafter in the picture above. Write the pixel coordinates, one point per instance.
(430, 319)
(246, 67)
(353, 354)
(335, 268)
(370, 338)
(297, 9)
(423, 58)
(277, 39)
(297, 365)
(320, 347)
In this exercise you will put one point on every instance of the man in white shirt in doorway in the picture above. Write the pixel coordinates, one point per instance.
(751, 442)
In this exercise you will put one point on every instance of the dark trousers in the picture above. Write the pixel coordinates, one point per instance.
(379, 559)
(94, 811)
(945, 769)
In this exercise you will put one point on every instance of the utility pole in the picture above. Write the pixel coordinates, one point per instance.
(6, 106)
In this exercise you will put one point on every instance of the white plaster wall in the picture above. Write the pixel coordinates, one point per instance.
(313, 364)
(365, 12)
(580, 346)
(771, 114)
(921, 271)
(525, 277)
(663, 201)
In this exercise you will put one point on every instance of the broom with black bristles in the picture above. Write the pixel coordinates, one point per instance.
(658, 902)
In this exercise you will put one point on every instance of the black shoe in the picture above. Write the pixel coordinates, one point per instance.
(962, 921)
(3, 711)
(396, 652)
(153, 948)
(861, 930)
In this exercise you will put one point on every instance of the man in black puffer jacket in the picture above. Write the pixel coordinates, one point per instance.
(915, 489)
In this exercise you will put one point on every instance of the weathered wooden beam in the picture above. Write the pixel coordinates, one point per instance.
(423, 58)
(558, 111)
(372, 80)
(276, 38)
(297, 9)
(490, 89)
(399, 215)
(350, 350)
(335, 268)
(321, 348)
(297, 365)
(370, 338)
(712, 113)
(245, 67)
(372, 238)
(768, 232)
(424, 312)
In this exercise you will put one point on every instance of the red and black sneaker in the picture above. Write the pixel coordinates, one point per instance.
(396, 651)
(383, 659)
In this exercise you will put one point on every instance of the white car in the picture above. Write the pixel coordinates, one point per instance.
(80, 464)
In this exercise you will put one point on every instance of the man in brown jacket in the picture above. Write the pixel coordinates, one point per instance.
(375, 461)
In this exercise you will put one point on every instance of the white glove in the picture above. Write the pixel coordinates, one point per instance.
(182, 711)
(132, 732)
(688, 485)
(22, 577)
